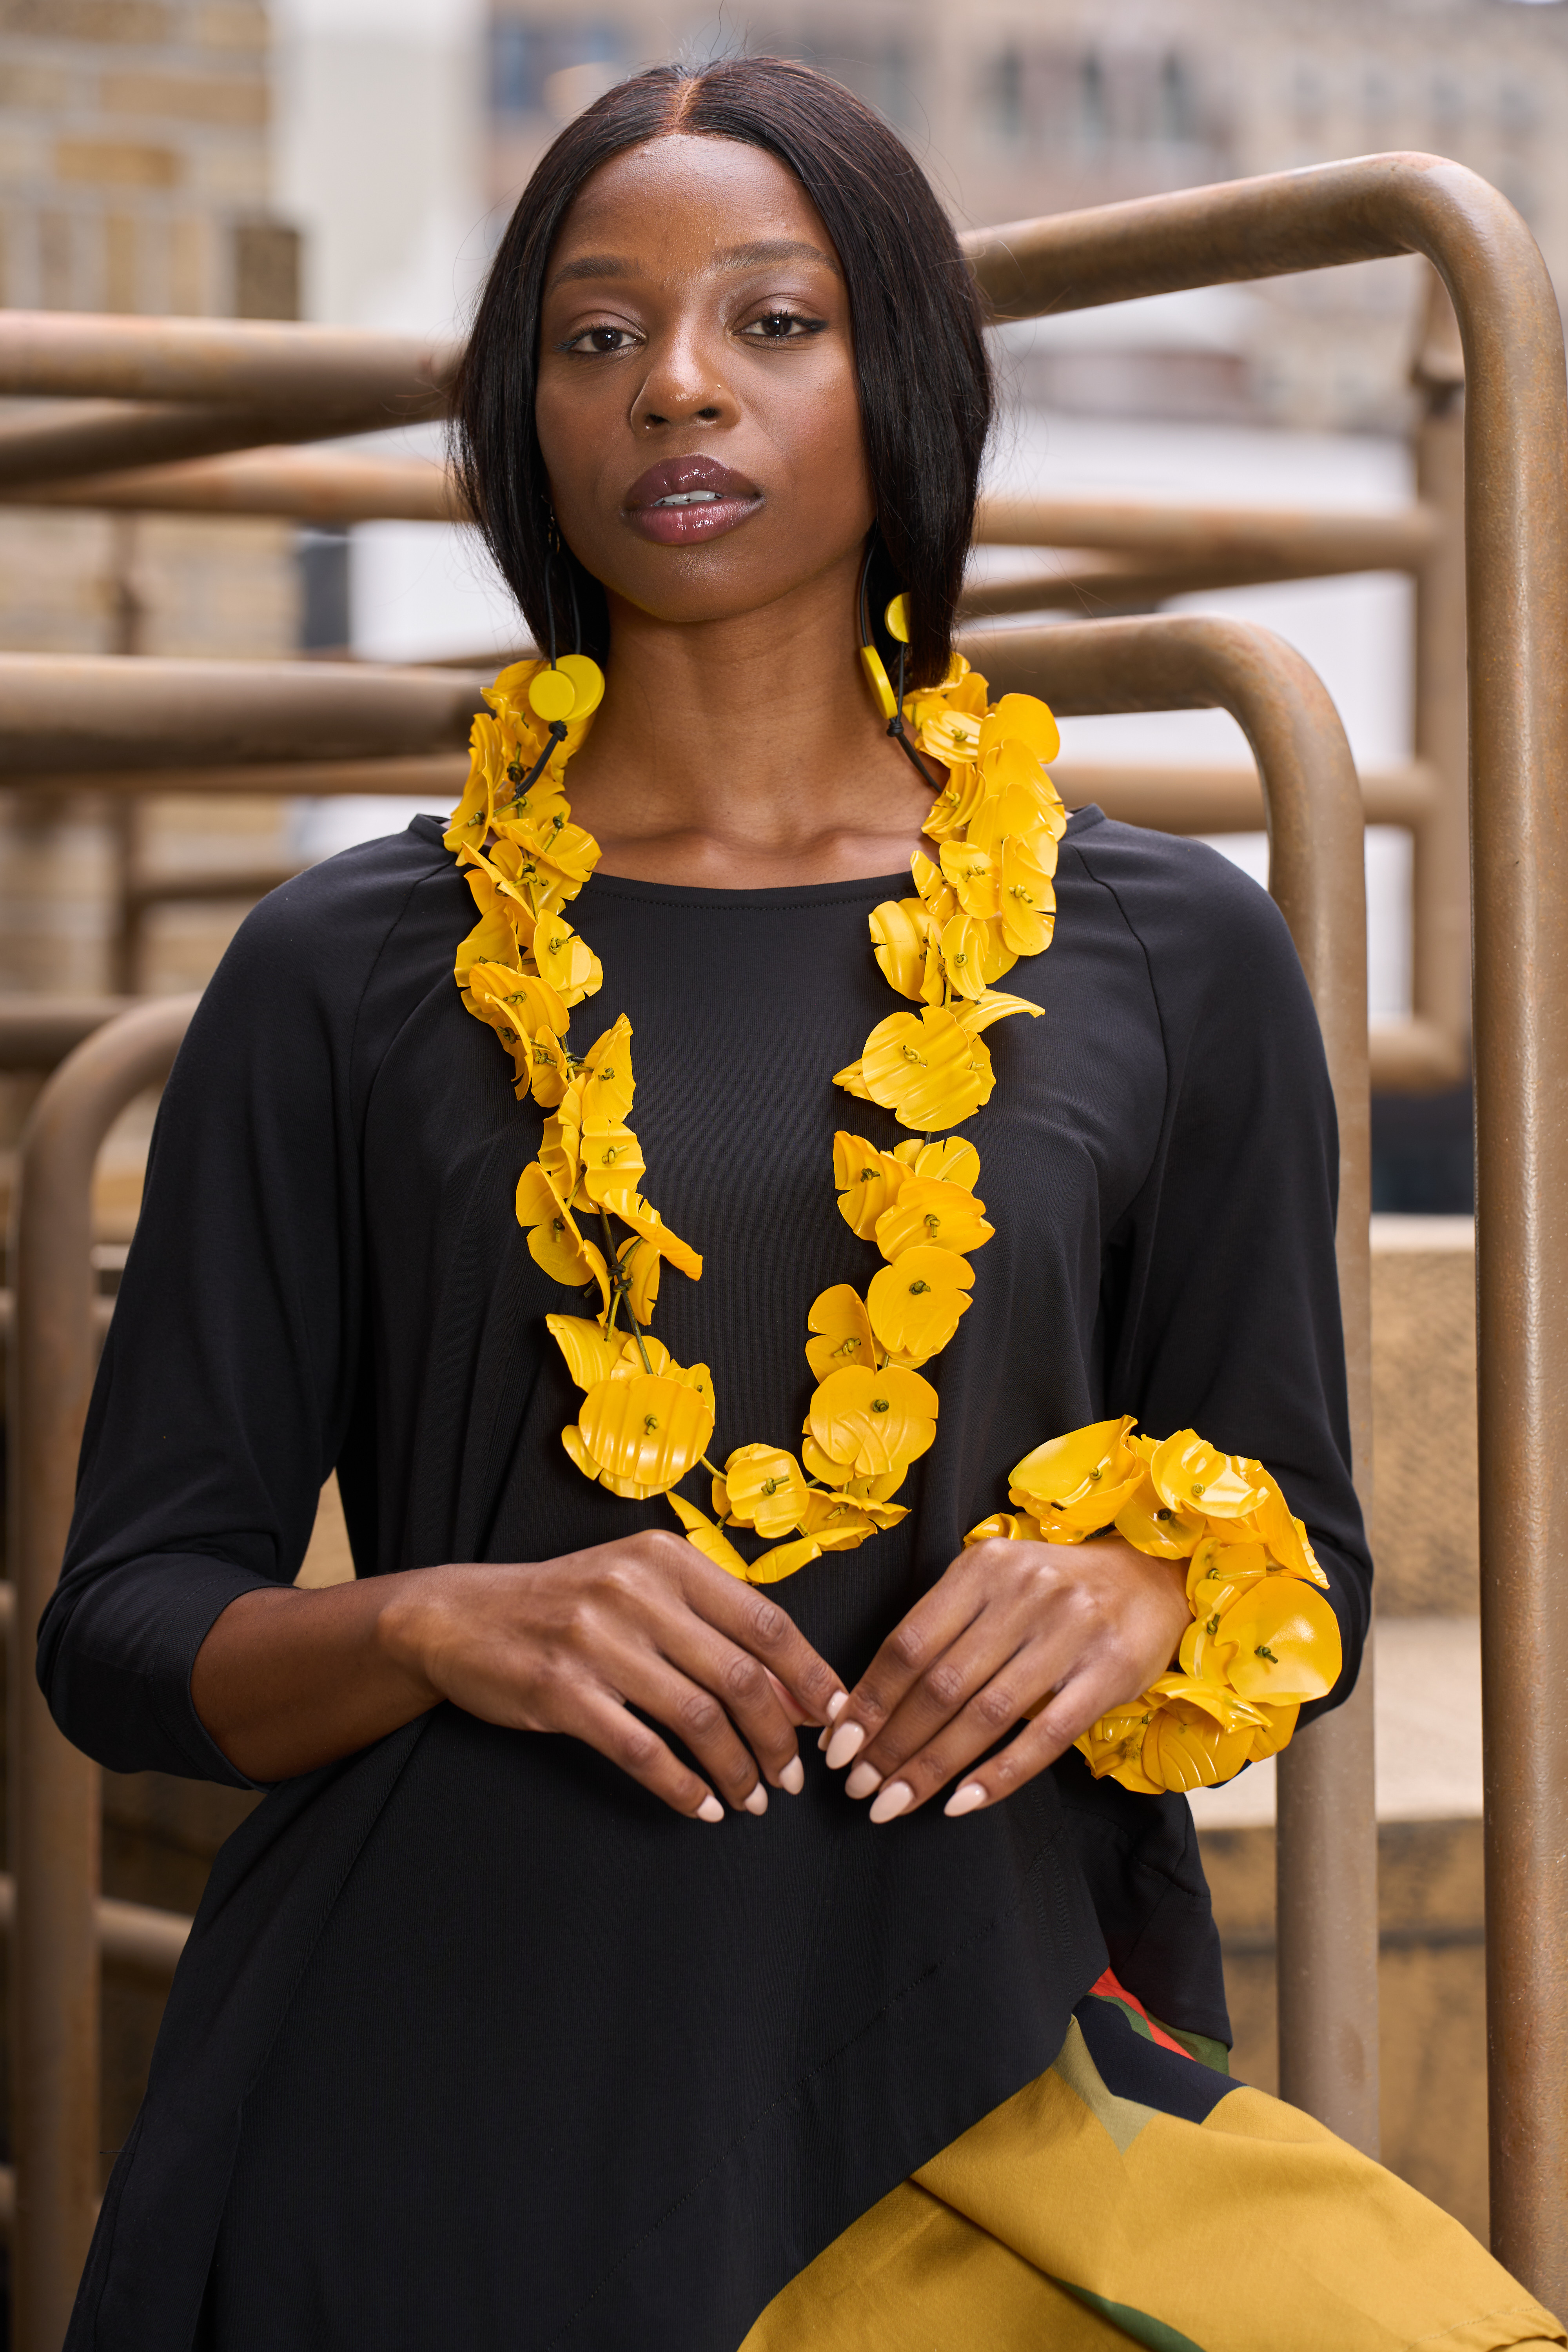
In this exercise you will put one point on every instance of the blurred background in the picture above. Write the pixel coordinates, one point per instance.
(353, 161)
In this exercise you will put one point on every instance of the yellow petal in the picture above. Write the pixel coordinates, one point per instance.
(1028, 902)
(634, 1211)
(926, 1069)
(591, 1353)
(1012, 1527)
(1284, 1640)
(565, 961)
(867, 1181)
(1153, 1526)
(765, 1488)
(934, 1214)
(852, 1078)
(649, 1428)
(973, 877)
(952, 1159)
(1191, 1474)
(554, 1242)
(709, 1540)
(959, 799)
(1219, 1571)
(1025, 719)
(611, 1161)
(995, 1005)
(640, 1262)
(878, 1420)
(841, 1524)
(1085, 1466)
(607, 1084)
(627, 1488)
(1182, 1749)
(843, 1329)
(915, 1302)
(783, 1560)
(900, 930)
(974, 954)
(821, 1465)
(935, 889)
(1115, 1747)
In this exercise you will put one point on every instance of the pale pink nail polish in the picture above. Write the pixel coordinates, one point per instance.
(863, 1778)
(895, 1797)
(844, 1745)
(709, 1809)
(792, 1780)
(836, 1704)
(757, 1802)
(964, 1799)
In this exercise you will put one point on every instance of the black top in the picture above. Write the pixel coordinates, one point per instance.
(474, 2041)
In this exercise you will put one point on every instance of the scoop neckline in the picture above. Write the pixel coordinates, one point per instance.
(784, 895)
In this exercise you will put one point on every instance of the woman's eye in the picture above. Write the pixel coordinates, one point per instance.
(783, 327)
(603, 338)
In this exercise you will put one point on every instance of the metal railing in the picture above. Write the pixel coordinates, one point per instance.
(1515, 427)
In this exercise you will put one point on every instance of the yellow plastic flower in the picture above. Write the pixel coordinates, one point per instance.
(1185, 1747)
(765, 1489)
(1028, 902)
(1115, 1747)
(1025, 722)
(875, 1420)
(973, 878)
(1286, 1537)
(1075, 1484)
(1283, 1642)
(607, 1084)
(520, 1009)
(955, 804)
(954, 1160)
(974, 953)
(648, 1428)
(561, 1143)
(928, 1213)
(1148, 1522)
(937, 893)
(905, 943)
(503, 934)
(842, 1523)
(612, 1162)
(926, 1068)
(915, 1302)
(554, 1242)
(565, 961)
(1192, 1474)
(784, 1559)
(953, 736)
(841, 1330)
(867, 1181)
(821, 1467)
(995, 1005)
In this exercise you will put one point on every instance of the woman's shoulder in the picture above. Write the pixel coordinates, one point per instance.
(333, 922)
(1188, 903)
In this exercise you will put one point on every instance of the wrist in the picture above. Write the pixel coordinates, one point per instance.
(408, 1632)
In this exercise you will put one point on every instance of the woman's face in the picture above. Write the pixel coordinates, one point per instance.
(697, 404)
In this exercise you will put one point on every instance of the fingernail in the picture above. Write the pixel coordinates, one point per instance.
(757, 1802)
(709, 1809)
(836, 1704)
(824, 1737)
(964, 1799)
(862, 1780)
(892, 1801)
(846, 1742)
(792, 1780)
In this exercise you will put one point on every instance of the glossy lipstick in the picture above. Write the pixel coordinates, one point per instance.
(683, 501)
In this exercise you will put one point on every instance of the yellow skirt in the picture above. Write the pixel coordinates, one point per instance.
(1177, 2210)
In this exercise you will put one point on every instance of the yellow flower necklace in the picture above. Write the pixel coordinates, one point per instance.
(984, 901)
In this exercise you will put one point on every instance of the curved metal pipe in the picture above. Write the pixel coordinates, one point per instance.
(1327, 1824)
(54, 1789)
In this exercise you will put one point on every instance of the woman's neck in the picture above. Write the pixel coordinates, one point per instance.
(746, 753)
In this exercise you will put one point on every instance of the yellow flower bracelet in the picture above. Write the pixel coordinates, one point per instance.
(1262, 1642)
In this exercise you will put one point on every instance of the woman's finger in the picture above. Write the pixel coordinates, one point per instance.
(1037, 1747)
(914, 1647)
(980, 1684)
(740, 1687)
(761, 1627)
(601, 1720)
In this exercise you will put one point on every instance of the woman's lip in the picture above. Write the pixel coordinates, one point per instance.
(682, 525)
(687, 477)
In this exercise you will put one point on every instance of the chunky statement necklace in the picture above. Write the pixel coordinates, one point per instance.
(985, 898)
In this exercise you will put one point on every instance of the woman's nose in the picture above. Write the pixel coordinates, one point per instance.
(682, 386)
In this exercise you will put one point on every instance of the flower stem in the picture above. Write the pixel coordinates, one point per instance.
(620, 1285)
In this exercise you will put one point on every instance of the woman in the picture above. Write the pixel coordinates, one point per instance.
(481, 2037)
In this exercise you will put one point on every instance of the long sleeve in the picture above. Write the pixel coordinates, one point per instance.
(227, 1381)
(1221, 1285)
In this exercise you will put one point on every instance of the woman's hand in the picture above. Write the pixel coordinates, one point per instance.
(288, 1680)
(1059, 1631)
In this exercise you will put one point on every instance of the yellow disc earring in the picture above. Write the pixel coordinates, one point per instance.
(889, 698)
(573, 686)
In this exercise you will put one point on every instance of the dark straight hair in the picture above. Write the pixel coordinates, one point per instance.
(920, 355)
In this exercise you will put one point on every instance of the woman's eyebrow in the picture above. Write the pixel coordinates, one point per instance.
(755, 256)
